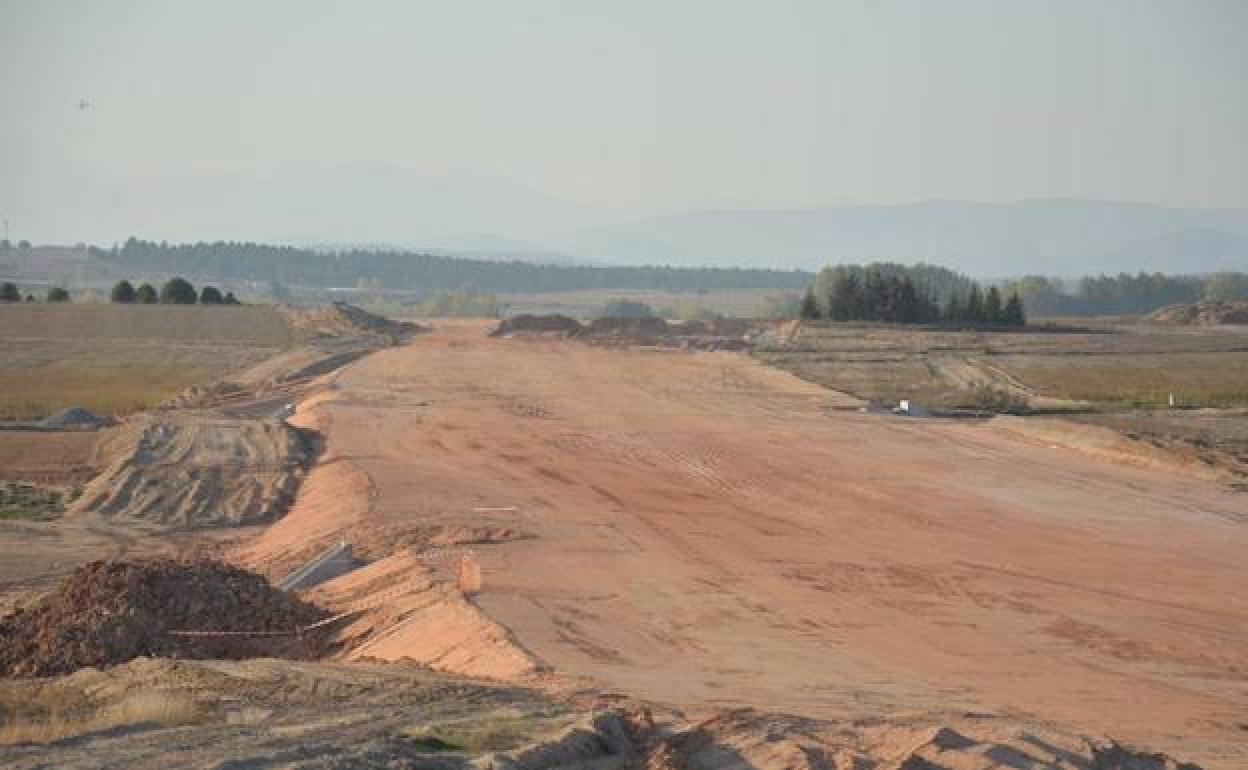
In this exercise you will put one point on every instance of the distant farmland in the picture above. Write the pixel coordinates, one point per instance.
(117, 359)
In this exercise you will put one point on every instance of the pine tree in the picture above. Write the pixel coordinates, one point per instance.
(843, 297)
(953, 309)
(974, 305)
(1013, 314)
(810, 306)
(123, 292)
(146, 295)
(992, 306)
(177, 291)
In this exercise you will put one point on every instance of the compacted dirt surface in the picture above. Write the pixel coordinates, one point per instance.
(700, 530)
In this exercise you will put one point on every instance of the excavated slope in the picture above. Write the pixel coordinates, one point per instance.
(195, 469)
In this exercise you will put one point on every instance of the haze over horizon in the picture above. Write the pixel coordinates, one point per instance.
(610, 132)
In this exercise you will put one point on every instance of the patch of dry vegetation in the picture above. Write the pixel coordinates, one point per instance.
(114, 359)
(1196, 379)
(57, 713)
(1112, 365)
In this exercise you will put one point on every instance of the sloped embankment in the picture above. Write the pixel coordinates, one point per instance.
(398, 606)
(195, 469)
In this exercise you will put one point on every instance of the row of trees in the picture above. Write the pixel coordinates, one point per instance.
(1125, 293)
(893, 295)
(176, 291)
(229, 261)
(10, 293)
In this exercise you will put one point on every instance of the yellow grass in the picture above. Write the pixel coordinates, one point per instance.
(1196, 379)
(143, 708)
(114, 359)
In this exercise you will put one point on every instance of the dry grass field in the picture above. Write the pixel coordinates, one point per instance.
(113, 359)
(1103, 366)
(1144, 380)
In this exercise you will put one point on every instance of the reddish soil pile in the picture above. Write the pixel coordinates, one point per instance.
(1204, 313)
(526, 322)
(111, 612)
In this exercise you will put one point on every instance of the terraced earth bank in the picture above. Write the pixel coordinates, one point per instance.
(700, 530)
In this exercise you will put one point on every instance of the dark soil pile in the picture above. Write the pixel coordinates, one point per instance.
(634, 328)
(561, 324)
(111, 612)
(73, 417)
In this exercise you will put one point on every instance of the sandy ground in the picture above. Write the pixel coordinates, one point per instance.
(708, 531)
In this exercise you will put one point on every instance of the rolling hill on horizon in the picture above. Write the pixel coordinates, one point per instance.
(482, 216)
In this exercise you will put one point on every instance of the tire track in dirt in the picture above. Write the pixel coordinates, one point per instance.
(707, 530)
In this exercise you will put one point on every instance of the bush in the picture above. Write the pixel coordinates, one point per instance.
(177, 291)
(230, 299)
(627, 308)
(993, 399)
(123, 292)
(211, 295)
(57, 294)
(146, 295)
(9, 292)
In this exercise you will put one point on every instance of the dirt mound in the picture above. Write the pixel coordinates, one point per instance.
(73, 417)
(111, 612)
(634, 328)
(341, 319)
(195, 470)
(537, 323)
(722, 334)
(715, 327)
(1203, 313)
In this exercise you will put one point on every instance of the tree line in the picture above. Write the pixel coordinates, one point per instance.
(10, 293)
(175, 291)
(235, 261)
(1125, 293)
(895, 293)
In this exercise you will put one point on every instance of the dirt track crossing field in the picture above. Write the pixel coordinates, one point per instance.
(708, 531)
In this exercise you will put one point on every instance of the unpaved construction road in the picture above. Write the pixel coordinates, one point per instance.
(708, 531)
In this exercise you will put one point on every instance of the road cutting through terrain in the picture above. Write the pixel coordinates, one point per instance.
(702, 530)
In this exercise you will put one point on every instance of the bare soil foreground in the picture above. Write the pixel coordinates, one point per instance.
(705, 531)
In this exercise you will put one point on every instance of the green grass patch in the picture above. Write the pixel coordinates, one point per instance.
(495, 732)
(31, 502)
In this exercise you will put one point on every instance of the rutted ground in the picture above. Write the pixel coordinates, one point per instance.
(704, 531)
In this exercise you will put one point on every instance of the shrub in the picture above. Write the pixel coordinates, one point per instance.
(627, 308)
(123, 292)
(57, 294)
(9, 292)
(146, 295)
(211, 295)
(177, 291)
(993, 399)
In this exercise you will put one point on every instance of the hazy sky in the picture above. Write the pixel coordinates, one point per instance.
(663, 104)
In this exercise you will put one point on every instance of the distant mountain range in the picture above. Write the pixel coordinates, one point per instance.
(486, 217)
(1051, 237)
